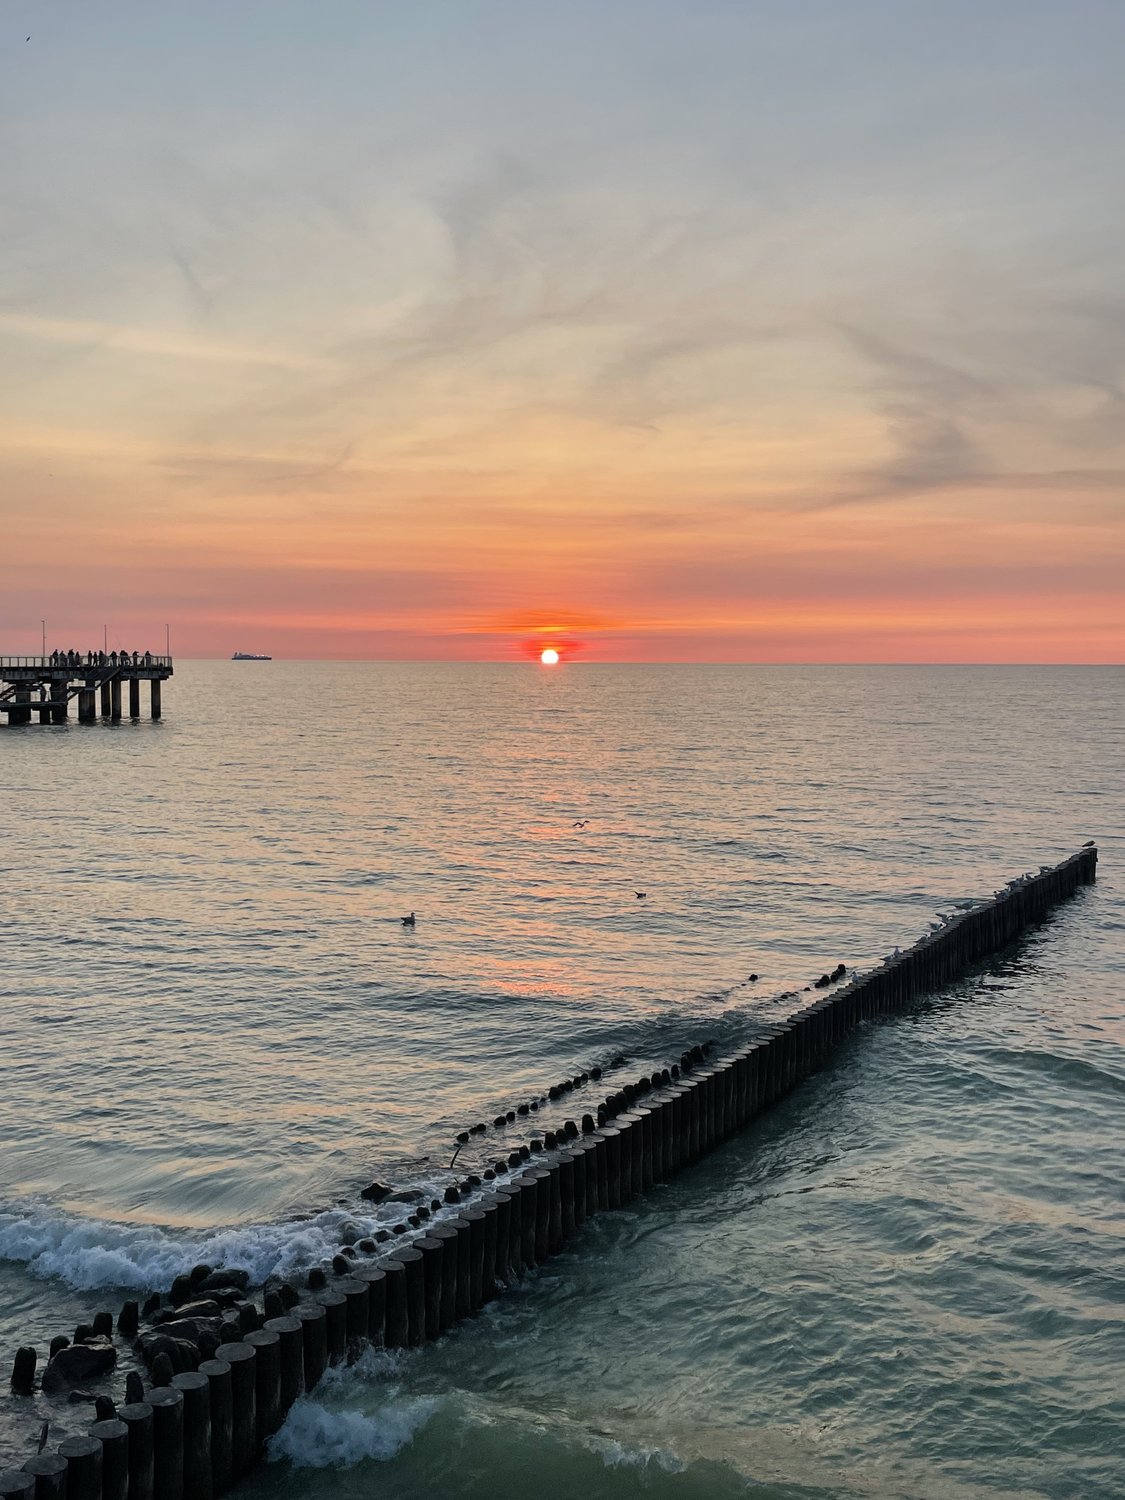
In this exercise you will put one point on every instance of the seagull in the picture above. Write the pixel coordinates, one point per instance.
(581, 823)
(408, 921)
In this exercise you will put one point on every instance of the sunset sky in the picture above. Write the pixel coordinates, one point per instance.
(722, 331)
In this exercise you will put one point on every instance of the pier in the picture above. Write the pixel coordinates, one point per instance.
(43, 687)
(224, 1369)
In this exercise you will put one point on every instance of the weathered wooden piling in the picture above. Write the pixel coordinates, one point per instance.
(83, 1467)
(195, 1388)
(113, 1436)
(314, 1341)
(411, 1261)
(17, 1484)
(50, 1475)
(220, 1395)
(267, 1382)
(242, 1357)
(167, 1442)
(335, 1306)
(137, 1416)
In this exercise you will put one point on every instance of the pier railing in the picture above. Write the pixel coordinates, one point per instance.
(45, 664)
(225, 1372)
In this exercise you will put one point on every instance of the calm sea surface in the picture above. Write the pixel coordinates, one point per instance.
(907, 1281)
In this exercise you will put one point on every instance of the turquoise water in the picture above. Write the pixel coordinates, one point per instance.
(905, 1281)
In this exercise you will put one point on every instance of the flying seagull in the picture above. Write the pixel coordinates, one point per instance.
(408, 921)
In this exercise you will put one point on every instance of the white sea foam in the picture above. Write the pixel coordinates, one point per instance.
(88, 1254)
(314, 1437)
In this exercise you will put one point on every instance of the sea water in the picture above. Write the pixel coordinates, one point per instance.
(905, 1281)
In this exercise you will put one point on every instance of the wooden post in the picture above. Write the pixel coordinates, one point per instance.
(267, 1382)
(415, 1295)
(113, 1435)
(87, 706)
(134, 697)
(356, 1314)
(115, 699)
(195, 1388)
(397, 1319)
(50, 1476)
(433, 1253)
(83, 1467)
(137, 1417)
(375, 1279)
(59, 689)
(167, 1442)
(217, 1372)
(154, 697)
(106, 706)
(314, 1340)
(335, 1306)
(18, 1484)
(244, 1417)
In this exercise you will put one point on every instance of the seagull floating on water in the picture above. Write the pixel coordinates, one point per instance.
(408, 921)
(581, 823)
(640, 895)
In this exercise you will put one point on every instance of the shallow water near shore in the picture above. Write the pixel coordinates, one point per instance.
(904, 1281)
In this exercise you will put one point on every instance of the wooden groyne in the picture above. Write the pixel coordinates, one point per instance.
(225, 1371)
(44, 687)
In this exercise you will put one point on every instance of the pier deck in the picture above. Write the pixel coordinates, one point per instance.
(43, 686)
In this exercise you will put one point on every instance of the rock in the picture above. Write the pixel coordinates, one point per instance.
(535, 1105)
(383, 1235)
(368, 1245)
(220, 1279)
(78, 1364)
(151, 1304)
(199, 1274)
(190, 1328)
(134, 1388)
(203, 1309)
(350, 1233)
(452, 1195)
(60, 1341)
(500, 1121)
(83, 1332)
(522, 1109)
(489, 1175)
(510, 1116)
(595, 1073)
(181, 1353)
(81, 1398)
(181, 1291)
(103, 1325)
(104, 1409)
(414, 1221)
(473, 1180)
(463, 1137)
(163, 1370)
(316, 1279)
(434, 1206)
(407, 1195)
(128, 1320)
(375, 1192)
(340, 1265)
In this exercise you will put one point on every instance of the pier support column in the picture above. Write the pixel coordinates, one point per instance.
(87, 706)
(21, 715)
(44, 709)
(154, 697)
(59, 690)
(134, 698)
(115, 698)
(105, 700)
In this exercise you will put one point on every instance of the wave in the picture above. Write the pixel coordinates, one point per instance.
(88, 1253)
(313, 1437)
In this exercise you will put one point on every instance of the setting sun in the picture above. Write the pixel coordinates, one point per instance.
(550, 657)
